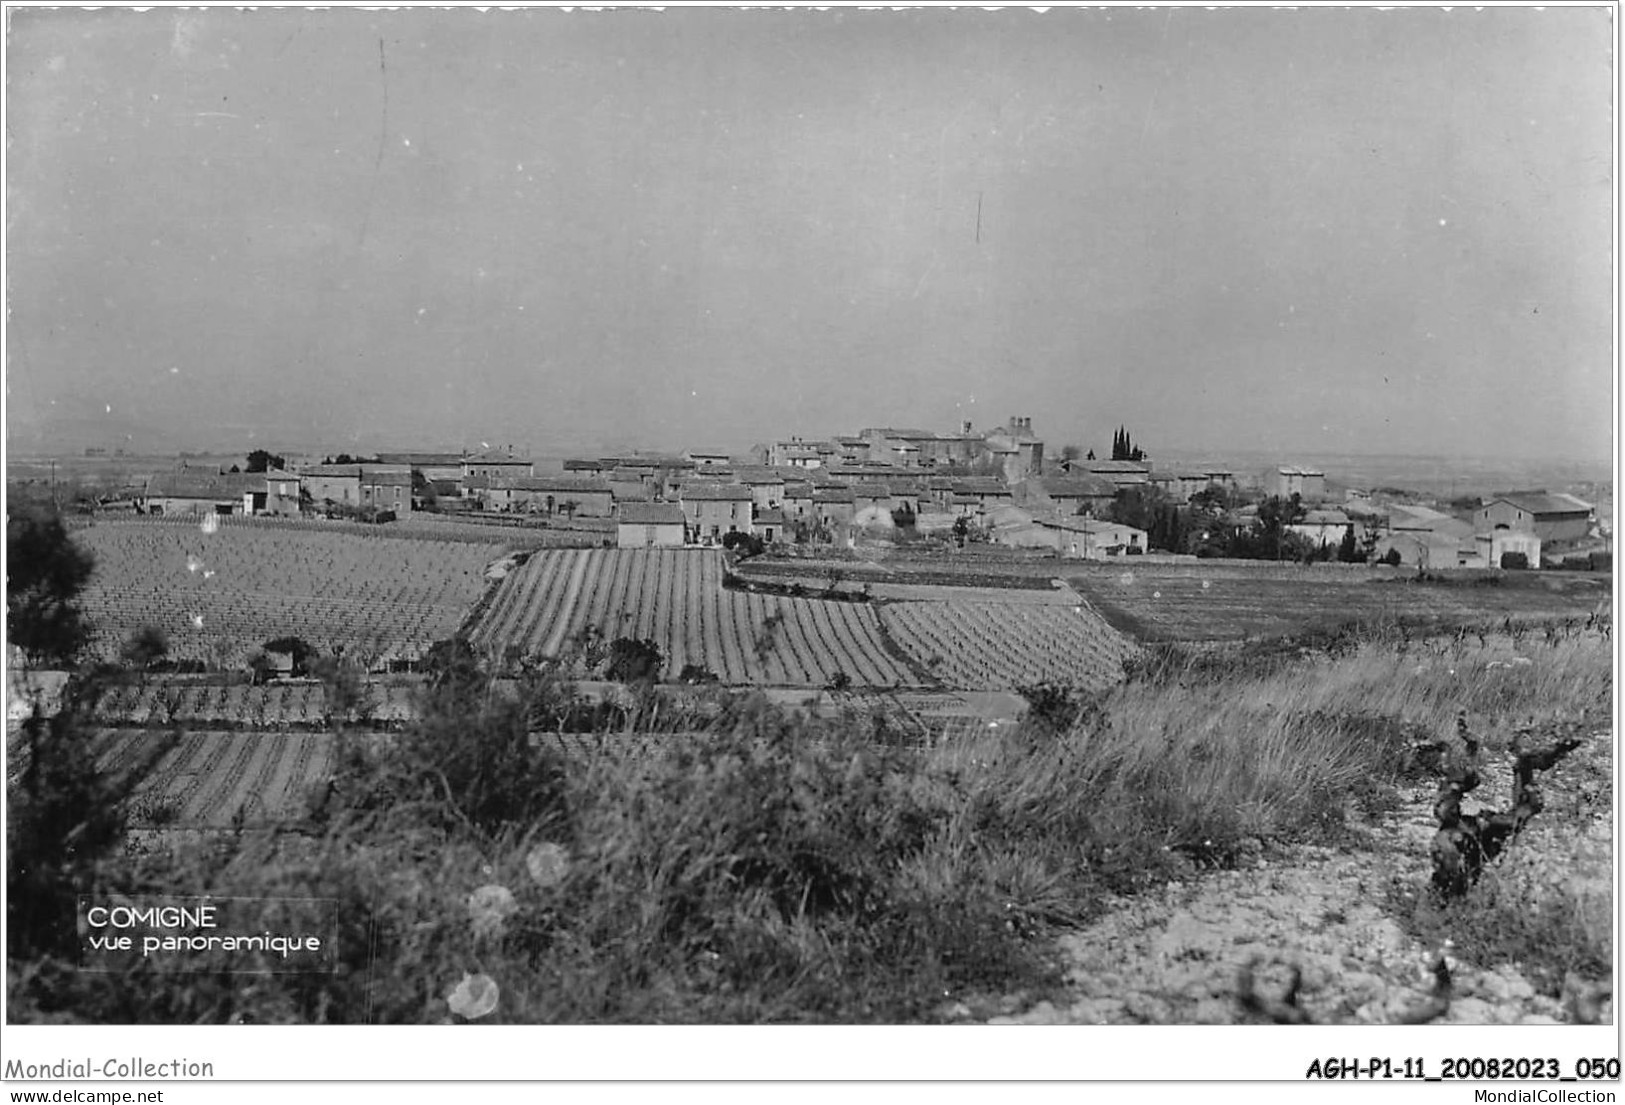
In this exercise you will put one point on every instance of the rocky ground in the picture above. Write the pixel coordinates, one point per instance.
(1174, 956)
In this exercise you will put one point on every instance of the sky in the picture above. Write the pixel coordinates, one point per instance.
(1351, 231)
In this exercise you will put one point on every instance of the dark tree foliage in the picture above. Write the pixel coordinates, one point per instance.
(745, 544)
(1348, 550)
(1273, 539)
(1123, 447)
(145, 647)
(300, 650)
(452, 662)
(903, 517)
(45, 572)
(1053, 709)
(1516, 561)
(262, 461)
(634, 661)
(1392, 558)
(63, 815)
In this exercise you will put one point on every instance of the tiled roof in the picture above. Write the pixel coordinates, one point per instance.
(981, 485)
(896, 432)
(575, 485)
(1324, 518)
(757, 473)
(579, 465)
(1117, 466)
(798, 491)
(647, 462)
(1298, 470)
(871, 490)
(1078, 487)
(341, 471)
(498, 458)
(1079, 524)
(714, 492)
(421, 460)
(649, 514)
(833, 495)
(204, 485)
(1540, 502)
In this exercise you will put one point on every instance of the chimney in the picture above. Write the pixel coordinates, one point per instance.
(964, 427)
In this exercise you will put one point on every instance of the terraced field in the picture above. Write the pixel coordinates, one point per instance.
(1198, 603)
(207, 778)
(675, 598)
(220, 593)
(992, 646)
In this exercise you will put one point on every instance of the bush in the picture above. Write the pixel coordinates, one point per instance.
(634, 661)
(745, 544)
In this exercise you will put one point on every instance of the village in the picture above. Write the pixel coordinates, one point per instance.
(887, 484)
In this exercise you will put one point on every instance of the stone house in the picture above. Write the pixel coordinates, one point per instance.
(649, 526)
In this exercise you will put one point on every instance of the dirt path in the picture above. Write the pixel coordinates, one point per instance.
(1173, 956)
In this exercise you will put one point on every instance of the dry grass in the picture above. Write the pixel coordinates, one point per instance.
(774, 867)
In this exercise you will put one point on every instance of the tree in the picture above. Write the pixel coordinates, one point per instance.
(1123, 447)
(45, 573)
(1275, 516)
(262, 461)
(145, 647)
(634, 661)
(1348, 550)
(745, 544)
(1071, 452)
(64, 815)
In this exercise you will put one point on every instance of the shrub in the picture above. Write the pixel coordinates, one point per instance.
(634, 661)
